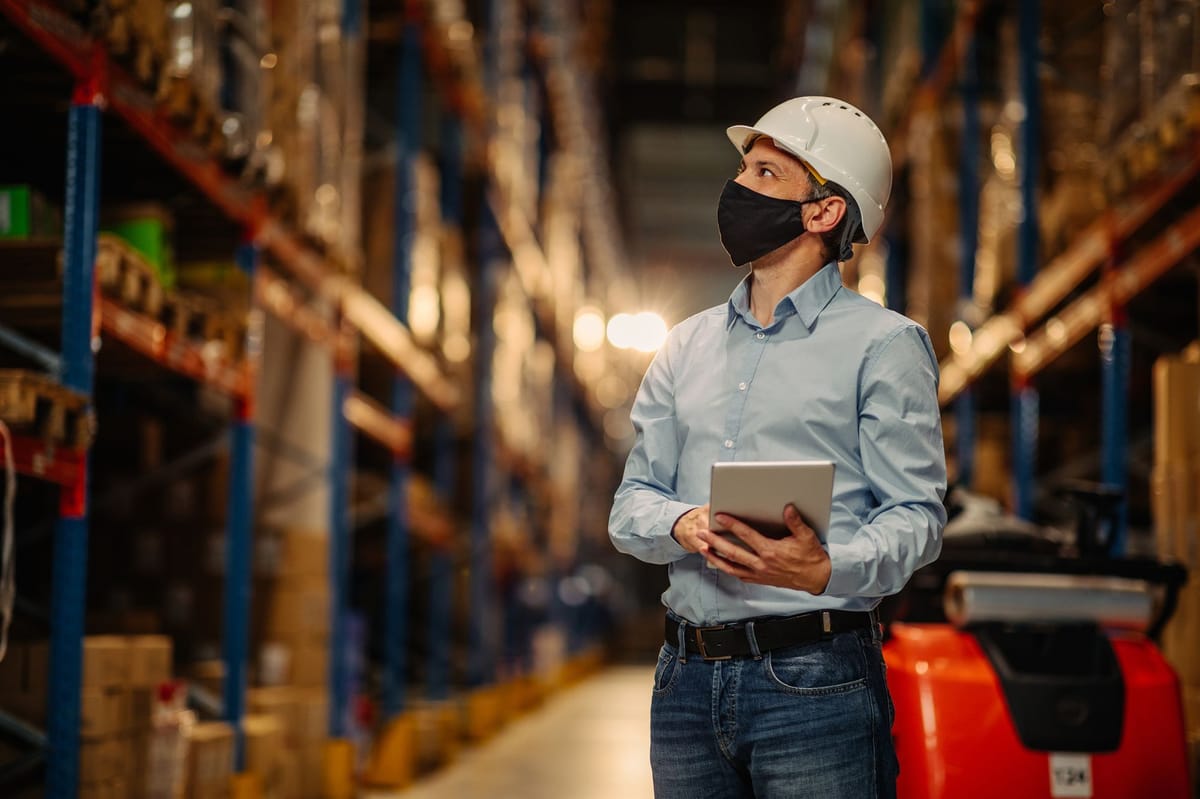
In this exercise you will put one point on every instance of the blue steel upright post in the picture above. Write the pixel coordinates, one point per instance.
(1114, 435)
(968, 213)
(408, 133)
(239, 543)
(1024, 393)
(69, 578)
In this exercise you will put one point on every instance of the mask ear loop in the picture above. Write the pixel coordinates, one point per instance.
(851, 226)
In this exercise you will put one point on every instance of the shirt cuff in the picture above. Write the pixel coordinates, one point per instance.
(846, 572)
(674, 511)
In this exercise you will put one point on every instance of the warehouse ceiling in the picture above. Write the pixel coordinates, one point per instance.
(677, 73)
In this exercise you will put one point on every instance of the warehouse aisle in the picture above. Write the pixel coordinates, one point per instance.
(591, 742)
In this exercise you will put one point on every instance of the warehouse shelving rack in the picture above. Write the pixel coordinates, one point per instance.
(1036, 328)
(432, 49)
(506, 233)
(102, 86)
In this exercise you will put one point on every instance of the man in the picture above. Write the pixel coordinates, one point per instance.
(770, 682)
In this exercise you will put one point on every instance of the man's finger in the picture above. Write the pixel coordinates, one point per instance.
(719, 545)
(795, 522)
(742, 530)
(729, 567)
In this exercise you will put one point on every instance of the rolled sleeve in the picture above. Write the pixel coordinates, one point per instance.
(900, 436)
(645, 506)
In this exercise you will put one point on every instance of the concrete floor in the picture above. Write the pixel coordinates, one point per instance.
(590, 742)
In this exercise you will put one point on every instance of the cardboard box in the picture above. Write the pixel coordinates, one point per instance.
(298, 609)
(210, 758)
(265, 749)
(140, 701)
(286, 553)
(1176, 409)
(139, 752)
(285, 703)
(98, 760)
(103, 712)
(105, 661)
(310, 665)
(149, 660)
(315, 704)
(1175, 508)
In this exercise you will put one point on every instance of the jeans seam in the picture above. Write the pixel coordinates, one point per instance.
(873, 714)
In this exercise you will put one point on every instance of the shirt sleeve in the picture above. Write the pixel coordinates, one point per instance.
(645, 507)
(900, 437)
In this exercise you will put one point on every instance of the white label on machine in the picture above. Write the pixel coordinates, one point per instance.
(1070, 775)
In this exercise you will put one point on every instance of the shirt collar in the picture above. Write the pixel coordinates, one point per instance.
(806, 300)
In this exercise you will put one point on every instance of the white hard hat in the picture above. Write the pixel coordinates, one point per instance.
(837, 140)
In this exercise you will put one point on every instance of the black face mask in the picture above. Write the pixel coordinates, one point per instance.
(754, 224)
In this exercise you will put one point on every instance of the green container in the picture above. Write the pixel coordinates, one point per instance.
(149, 236)
(25, 214)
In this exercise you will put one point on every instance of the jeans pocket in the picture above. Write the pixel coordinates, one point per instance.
(827, 667)
(666, 672)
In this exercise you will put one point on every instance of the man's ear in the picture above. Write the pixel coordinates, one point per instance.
(830, 212)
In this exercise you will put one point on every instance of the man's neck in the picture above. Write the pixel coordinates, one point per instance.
(772, 279)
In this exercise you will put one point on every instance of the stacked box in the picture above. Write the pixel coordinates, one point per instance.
(210, 761)
(302, 716)
(116, 693)
(265, 753)
(1175, 505)
(293, 606)
(150, 665)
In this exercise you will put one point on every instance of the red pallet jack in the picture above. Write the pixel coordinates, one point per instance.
(1023, 665)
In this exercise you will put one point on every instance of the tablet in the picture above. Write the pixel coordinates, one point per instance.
(757, 492)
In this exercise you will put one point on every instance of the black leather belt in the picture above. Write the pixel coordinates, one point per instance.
(727, 641)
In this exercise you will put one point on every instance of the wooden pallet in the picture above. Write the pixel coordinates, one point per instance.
(123, 274)
(34, 404)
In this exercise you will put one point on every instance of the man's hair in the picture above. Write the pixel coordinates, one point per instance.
(831, 241)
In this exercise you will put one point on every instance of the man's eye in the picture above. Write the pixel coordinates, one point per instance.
(765, 172)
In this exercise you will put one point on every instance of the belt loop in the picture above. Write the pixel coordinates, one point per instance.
(681, 634)
(752, 639)
(826, 623)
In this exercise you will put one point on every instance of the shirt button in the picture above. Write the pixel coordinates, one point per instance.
(729, 443)
(741, 386)
(760, 336)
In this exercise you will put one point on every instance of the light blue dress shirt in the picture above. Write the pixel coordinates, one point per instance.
(834, 377)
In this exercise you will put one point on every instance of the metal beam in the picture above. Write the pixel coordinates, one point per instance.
(69, 577)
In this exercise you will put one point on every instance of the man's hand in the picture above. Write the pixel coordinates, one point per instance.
(688, 527)
(797, 561)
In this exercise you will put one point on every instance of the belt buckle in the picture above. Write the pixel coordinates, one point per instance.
(698, 634)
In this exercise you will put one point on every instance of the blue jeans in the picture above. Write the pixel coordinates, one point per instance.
(805, 722)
